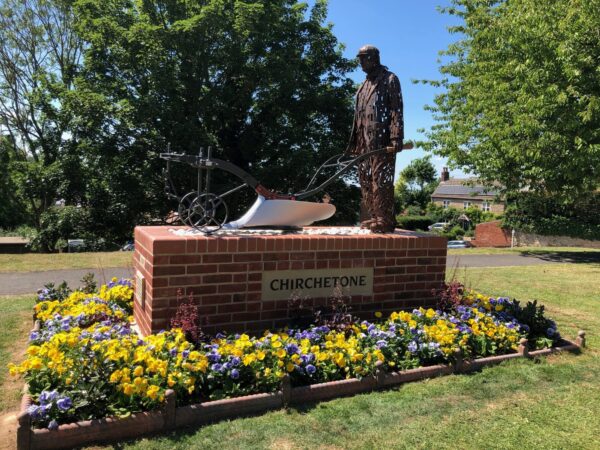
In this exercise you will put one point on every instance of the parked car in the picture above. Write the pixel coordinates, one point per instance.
(128, 247)
(75, 245)
(459, 244)
(438, 226)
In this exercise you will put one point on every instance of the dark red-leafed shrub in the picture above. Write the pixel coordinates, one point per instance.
(337, 314)
(188, 319)
(449, 296)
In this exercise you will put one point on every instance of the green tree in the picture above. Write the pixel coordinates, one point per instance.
(13, 211)
(416, 183)
(264, 82)
(39, 58)
(521, 100)
(534, 213)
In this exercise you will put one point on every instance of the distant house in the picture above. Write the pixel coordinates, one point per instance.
(463, 193)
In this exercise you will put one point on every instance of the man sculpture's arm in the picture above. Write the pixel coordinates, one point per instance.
(396, 110)
(351, 147)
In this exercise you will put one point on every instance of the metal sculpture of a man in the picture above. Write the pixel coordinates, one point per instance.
(378, 123)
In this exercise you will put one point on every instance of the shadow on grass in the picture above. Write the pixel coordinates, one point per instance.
(564, 257)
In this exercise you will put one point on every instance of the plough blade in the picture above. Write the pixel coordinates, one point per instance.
(282, 213)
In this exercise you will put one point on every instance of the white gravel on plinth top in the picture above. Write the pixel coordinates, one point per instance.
(329, 231)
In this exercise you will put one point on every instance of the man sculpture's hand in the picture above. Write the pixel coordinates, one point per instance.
(395, 146)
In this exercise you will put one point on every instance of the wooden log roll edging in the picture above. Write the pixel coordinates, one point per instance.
(171, 417)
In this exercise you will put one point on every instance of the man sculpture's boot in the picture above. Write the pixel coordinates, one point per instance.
(367, 224)
(379, 225)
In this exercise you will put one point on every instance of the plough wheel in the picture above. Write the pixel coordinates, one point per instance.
(206, 212)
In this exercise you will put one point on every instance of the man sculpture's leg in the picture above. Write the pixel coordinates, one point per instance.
(381, 203)
(365, 177)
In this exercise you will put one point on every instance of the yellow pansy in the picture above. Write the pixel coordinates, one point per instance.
(249, 359)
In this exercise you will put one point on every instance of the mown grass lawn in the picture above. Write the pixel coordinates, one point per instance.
(551, 403)
(33, 262)
(15, 324)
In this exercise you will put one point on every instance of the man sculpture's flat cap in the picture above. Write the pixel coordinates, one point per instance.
(368, 50)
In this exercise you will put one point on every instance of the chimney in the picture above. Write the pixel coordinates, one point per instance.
(445, 174)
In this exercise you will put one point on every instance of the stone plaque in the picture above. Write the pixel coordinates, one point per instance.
(281, 284)
(139, 288)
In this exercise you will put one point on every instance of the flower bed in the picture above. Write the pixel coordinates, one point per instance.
(84, 362)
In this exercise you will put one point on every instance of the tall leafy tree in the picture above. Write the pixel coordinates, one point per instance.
(39, 57)
(13, 211)
(416, 183)
(263, 82)
(521, 100)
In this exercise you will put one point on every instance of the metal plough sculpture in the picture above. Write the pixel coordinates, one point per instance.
(207, 211)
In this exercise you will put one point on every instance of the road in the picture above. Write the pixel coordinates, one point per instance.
(29, 282)
(12, 283)
(494, 260)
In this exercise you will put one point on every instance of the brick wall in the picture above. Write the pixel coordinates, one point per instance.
(224, 274)
(490, 234)
(537, 240)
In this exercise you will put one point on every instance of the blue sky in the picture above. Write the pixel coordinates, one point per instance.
(409, 35)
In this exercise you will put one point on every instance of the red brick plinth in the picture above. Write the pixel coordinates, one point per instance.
(224, 274)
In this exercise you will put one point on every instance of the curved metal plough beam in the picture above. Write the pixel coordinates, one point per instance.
(208, 212)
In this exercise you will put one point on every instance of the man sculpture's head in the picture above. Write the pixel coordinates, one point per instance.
(368, 55)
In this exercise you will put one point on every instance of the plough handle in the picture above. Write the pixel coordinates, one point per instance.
(406, 146)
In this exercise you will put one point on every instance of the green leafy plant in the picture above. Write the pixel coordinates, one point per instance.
(541, 331)
(89, 284)
(454, 233)
(50, 292)
(414, 222)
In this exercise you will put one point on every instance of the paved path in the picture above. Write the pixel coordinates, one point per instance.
(28, 282)
(494, 260)
(524, 258)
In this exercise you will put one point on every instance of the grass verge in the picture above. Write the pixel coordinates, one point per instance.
(15, 323)
(33, 262)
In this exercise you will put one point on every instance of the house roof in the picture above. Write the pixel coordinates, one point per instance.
(462, 188)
